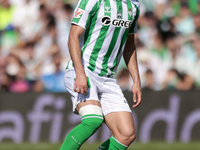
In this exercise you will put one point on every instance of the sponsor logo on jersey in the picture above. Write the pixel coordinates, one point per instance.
(106, 20)
(78, 13)
(107, 9)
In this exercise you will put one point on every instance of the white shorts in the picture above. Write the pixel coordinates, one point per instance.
(102, 89)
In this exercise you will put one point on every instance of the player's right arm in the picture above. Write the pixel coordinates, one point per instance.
(80, 84)
(83, 13)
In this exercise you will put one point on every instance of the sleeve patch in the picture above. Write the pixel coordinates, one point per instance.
(78, 13)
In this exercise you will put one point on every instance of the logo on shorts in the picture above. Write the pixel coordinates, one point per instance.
(85, 94)
(106, 20)
(78, 13)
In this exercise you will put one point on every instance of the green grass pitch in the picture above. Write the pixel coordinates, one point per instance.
(87, 146)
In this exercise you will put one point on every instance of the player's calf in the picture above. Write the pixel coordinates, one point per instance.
(92, 118)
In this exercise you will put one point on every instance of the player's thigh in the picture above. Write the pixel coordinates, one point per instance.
(120, 124)
(112, 98)
(88, 102)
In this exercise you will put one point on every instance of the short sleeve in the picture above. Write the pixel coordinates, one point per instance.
(84, 10)
(136, 7)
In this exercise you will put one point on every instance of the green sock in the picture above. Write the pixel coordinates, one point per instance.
(77, 136)
(112, 144)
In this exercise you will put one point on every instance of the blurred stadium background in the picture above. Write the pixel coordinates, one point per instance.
(35, 108)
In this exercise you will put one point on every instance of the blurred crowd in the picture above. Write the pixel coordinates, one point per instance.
(34, 51)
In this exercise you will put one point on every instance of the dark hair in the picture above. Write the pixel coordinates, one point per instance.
(51, 25)
(184, 4)
(50, 18)
(68, 7)
(149, 71)
(29, 44)
(42, 7)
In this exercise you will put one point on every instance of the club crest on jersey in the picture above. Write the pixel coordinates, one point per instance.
(78, 13)
(129, 12)
(106, 20)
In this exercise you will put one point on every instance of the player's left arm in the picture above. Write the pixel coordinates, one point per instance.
(130, 59)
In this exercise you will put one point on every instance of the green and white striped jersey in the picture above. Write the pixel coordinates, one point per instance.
(107, 24)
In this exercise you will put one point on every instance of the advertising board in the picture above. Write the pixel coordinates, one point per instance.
(167, 116)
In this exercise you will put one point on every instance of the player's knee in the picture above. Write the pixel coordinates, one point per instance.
(126, 136)
(92, 116)
(129, 137)
(132, 138)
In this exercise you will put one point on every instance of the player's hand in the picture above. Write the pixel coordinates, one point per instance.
(137, 94)
(80, 84)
